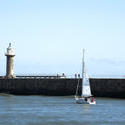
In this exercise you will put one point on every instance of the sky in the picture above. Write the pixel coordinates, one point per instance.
(48, 36)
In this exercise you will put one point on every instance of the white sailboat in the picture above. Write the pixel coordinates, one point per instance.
(86, 97)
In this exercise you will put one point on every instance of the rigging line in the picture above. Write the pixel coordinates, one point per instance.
(77, 86)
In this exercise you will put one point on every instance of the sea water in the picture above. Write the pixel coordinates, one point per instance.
(59, 110)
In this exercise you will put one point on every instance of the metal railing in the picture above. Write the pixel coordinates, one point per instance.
(38, 77)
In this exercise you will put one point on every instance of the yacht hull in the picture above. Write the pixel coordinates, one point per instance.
(83, 101)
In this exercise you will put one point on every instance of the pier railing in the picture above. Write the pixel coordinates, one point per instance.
(39, 77)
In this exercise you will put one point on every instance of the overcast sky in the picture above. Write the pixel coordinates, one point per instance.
(48, 36)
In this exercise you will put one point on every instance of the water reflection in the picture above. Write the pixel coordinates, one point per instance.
(86, 107)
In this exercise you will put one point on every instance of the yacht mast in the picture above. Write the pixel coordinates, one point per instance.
(83, 70)
(83, 65)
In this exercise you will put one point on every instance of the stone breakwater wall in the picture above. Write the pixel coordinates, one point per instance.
(62, 87)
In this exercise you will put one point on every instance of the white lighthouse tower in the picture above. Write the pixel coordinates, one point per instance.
(10, 62)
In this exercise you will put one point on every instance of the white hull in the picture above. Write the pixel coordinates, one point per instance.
(83, 101)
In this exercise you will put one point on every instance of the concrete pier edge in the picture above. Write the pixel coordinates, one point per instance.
(62, 87)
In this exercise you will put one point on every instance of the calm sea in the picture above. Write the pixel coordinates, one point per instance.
(47, 110)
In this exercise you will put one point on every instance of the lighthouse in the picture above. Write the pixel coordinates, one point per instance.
(10, 62)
